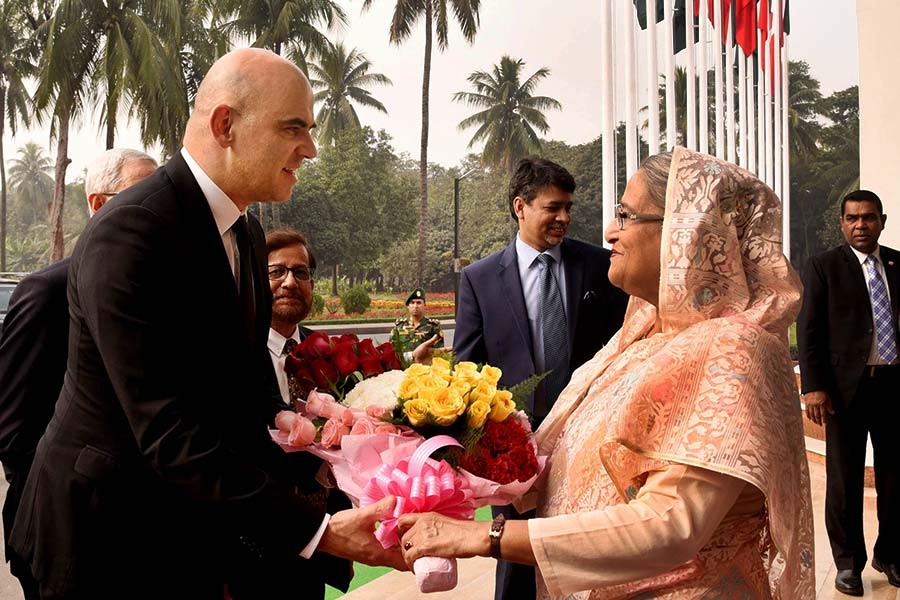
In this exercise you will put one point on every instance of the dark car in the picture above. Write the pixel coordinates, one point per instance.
(6, 289)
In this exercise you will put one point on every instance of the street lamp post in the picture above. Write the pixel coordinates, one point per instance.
(457, 266)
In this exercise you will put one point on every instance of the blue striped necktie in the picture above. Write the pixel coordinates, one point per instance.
(886, 340)
(555, 333)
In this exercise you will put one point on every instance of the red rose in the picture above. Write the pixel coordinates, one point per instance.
(317, 345)
(324, 373)
(389, 358)
(344, 359)
(371, 365)
(367, 348)
(347, 338)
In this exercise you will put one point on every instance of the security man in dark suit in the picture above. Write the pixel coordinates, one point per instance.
(34, 344)
(543, 303)
(847, 334)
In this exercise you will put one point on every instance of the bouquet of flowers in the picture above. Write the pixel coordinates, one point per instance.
(380, 440)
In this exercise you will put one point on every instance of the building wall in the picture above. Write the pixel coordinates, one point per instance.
(879, 97)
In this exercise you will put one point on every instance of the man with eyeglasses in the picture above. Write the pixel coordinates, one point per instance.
(292, 266)
(35, 341)
(543, 303)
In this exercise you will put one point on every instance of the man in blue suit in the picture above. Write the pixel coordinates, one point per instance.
(543, 303)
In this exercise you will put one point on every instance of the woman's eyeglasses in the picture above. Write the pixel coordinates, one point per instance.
(622, 216)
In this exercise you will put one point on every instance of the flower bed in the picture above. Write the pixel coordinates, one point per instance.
(385, 308)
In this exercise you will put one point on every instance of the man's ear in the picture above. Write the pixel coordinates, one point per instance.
(221, 124)
(883, 220)
(96, 201)
(519, 206)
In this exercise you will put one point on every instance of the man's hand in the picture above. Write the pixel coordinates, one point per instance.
(423, 352)
(818, 407)
(350, 534)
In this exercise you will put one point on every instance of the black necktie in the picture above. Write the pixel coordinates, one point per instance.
(555, 334)
(293, 385)
(245, 277)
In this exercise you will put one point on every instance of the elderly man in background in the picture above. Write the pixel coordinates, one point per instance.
(34, 345)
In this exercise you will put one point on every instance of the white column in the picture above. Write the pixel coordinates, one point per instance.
(776, 120)
(751, 115)
(729, 93)
(669, 50)
(652, 81)
(691, 69)
(786, 149)
(704, 83)
(631, 141)
(607, 109)
(717, 59)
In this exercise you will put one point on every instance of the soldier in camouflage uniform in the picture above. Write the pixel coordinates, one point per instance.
(409, 332)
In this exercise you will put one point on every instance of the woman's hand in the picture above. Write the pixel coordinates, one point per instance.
(432, 534)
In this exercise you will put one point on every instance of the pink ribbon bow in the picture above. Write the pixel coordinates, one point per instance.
(421, 484)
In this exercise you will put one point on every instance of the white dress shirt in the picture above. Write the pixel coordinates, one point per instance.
(276, 353)
(874, 358)
(225, 212)
(530, 269)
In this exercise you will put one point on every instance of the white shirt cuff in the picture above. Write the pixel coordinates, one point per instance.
(314, 542)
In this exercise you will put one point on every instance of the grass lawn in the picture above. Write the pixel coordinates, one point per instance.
(363, 574)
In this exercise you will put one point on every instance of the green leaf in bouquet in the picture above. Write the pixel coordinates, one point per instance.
(523, 389)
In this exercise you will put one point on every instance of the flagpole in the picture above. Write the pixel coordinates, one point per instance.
(669, 53)
(607, 109)
(631, 144)
(786, 147)
(742, 106)
(760, 106)
(729, 89)
(704, 83)
(776, 121)
(717, 60)
(751, 113)
(767, 79)
(652, 81)
(691, 87)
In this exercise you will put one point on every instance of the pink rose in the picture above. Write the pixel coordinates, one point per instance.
(303, 432)
(347, 417)
(363, 427)
(319, 404)
(376, 412)
(386, 428)
(284, 420)
(333, 432)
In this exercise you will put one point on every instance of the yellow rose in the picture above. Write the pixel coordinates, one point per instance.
(465, 369)
(429, 394)
(440, 363)
(443, 374)
(409, 388)
(502, 406)
(461, 386)
(483, 391)
(491, 374)
(416, 411)
(417, 370)
(477, 413)
(446, 407)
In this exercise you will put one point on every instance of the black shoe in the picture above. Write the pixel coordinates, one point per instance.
(848, 581)
(892, 570)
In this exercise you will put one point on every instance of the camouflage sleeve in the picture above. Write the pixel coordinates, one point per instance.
(436, 330)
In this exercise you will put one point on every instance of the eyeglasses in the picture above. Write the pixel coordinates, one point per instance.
(622, 216)
(279, 272)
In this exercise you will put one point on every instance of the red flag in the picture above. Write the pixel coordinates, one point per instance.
(725, 7)
(745, 25)
(765, 23)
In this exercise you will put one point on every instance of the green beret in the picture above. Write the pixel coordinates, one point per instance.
(416, 294)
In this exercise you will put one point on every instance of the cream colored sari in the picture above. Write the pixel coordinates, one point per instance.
(713, 390)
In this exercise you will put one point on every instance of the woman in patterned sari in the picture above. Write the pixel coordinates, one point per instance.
(676, 459)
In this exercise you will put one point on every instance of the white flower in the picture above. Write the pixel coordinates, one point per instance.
(376, 391)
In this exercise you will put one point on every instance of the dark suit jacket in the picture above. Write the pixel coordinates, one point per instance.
(492, 321)
(157, 456)
(835, 328)
(32, 364)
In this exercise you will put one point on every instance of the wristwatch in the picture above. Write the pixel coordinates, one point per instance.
(495, 534)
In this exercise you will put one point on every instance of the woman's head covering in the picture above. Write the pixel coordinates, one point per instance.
(715, 388)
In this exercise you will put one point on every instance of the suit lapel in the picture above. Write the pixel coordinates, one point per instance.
(854, 271)
(511, 286)
(574, 268)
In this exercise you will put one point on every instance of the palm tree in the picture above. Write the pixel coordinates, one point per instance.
(29, 176)
(15, 66)
(406, 14)
(509, 112)
(804, 98)
(340, 78)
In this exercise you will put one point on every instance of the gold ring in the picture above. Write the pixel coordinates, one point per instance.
(407, 545)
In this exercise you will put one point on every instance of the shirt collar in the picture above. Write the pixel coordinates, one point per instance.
(527, 254)
(224, 210)
(861, 256)
(276, 340)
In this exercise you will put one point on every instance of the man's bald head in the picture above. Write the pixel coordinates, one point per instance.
(250, 129)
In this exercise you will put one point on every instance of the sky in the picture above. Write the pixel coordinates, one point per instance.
(562, 35)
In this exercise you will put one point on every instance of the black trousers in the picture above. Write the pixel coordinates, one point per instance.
(874, 411)
(513, 581)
